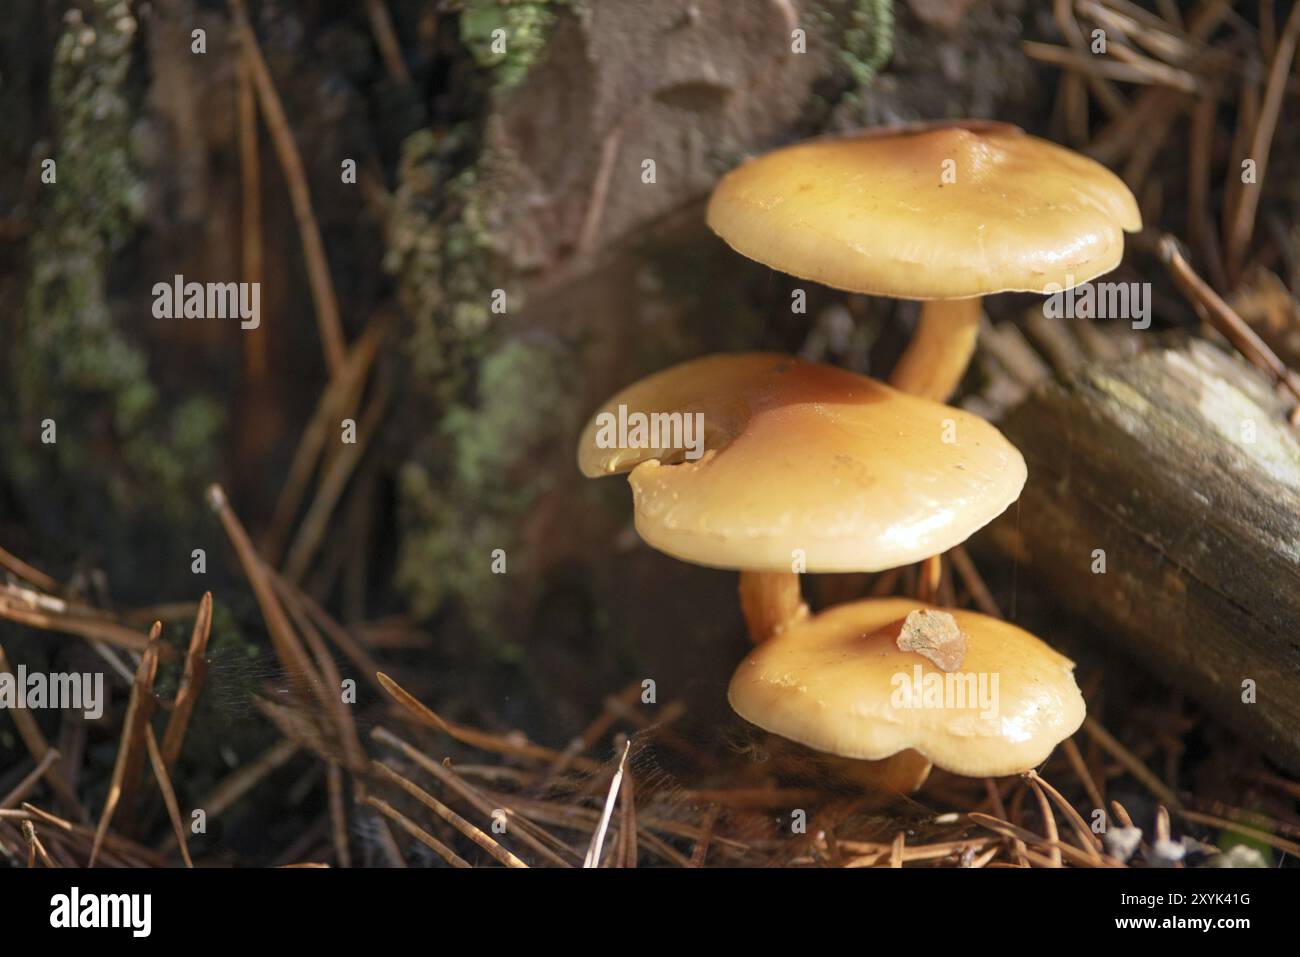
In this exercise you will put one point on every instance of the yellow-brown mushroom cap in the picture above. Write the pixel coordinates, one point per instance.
(807, 462)
(939, 211)
(838, 683)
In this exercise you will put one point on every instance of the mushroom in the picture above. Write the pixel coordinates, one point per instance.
(838, 683)
(802, 467)
(941, 212)
(878, 782)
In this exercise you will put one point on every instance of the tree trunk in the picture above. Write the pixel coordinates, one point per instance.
(1163, 506)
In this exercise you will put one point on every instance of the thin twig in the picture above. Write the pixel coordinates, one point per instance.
(71, 624)
(1049, 822)
(338, 400)
(1075, 757)
(196, 668)
(419, 833)
(527, 832)
(168, 793)
(293, 657)
(974, 583)
(338, 814)
(1254, 833)
(334, 480)
(239, 782)
(250, 181)
(475, 738)
(130, 750)
(39, 748)
(35, 847)
(318, 275)
(1224, 317)
(598, 838)
(999, 809)
(29, 781)
(27, 572)
(1130, 761)
(475, 834)
(390, 50)
(1243, 223)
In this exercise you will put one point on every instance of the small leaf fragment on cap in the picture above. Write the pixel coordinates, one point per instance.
(935, 635)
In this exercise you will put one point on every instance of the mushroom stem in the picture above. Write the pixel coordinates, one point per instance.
(771, 602)
(936, 358)
(878, 782)
(901, 773)
(929, 578)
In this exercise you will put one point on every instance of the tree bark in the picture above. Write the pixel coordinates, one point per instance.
(1163, 506)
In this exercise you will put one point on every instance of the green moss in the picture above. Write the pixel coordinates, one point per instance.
(441, 247)
(466, 488)
(865, 33)
(869, 40)
(488, 405)
(521, 388)
(510, 54)
(117, 440)
(476, 497)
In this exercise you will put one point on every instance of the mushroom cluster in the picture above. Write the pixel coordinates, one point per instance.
(810, 468)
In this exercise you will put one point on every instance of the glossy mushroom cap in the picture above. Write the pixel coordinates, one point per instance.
(939, 211)
(838, 683)
(805, 461)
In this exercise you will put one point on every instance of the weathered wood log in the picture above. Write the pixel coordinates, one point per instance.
(1163, 506)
